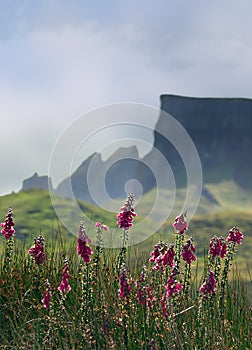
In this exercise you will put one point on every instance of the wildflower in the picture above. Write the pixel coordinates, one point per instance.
(209, 286)
(37, 250)
(235, 235)
(124, 291)
(100, 228)
(125, 217)
(8, 225)
(146, 299)
(217, 247)
(99, 225)
(163, 306)
(180, 223)
(172, 286)
(156, 252)
(168, 256)
(144, 295)
(162, 255)
(188, 251)
(83, 249)
(46, 295)
(64, 284)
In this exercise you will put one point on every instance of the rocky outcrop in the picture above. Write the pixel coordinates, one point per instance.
(36, 181)
(95, 177)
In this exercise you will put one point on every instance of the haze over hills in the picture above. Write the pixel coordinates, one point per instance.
(221, 129)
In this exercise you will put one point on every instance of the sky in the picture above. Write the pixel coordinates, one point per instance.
(61, 59)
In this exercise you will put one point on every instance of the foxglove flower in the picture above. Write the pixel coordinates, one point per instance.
(99, 225)
(144, 295)
(46, 296)
(64, 284)
(217, 247)
(124, 291)
(172, 286)
(127, 214)
(180, 225)
(82, 248)
(168, 256)
(156, 252)
(99, 231)
(188, 251)
(209, 286)
(164, 306)
(37, 250)
(162, 255)
(235, 235)
(8, 225)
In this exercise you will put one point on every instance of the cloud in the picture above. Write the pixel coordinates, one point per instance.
(59, 60)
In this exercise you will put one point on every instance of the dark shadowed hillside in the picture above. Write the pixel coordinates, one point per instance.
(221, 129)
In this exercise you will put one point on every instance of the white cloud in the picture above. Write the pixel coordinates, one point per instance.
(59, 61)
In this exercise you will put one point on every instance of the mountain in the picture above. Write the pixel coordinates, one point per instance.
(220, 128)
(94, 178)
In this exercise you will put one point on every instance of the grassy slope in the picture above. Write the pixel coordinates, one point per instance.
(235, 208)
(33, 214)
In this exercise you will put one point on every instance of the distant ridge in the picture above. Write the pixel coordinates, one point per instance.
(221, 129)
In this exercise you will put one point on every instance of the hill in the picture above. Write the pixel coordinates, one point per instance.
(33, 214)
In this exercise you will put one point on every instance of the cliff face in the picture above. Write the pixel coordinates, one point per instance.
(221, 129)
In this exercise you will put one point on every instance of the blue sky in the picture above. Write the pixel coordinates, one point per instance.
(60, 59)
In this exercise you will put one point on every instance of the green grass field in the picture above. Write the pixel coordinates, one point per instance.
(34, 213)
(92, 315)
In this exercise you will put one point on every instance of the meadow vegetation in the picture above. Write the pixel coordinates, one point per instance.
(66, 292)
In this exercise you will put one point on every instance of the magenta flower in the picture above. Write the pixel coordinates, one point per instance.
(156, 252)
(163, 306)
(168, 256)
(235, 235)
(124, 291)
(46, 296)
(217, 247)
(127, 214)
(64, 284)
(37, 250)
(188, 251)
(105, 227)
(172, 286)
(82, 248)
(99, 225)
(209, 286)
(144, 295)
(162, 255)
(180, 223)
(8, 225)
